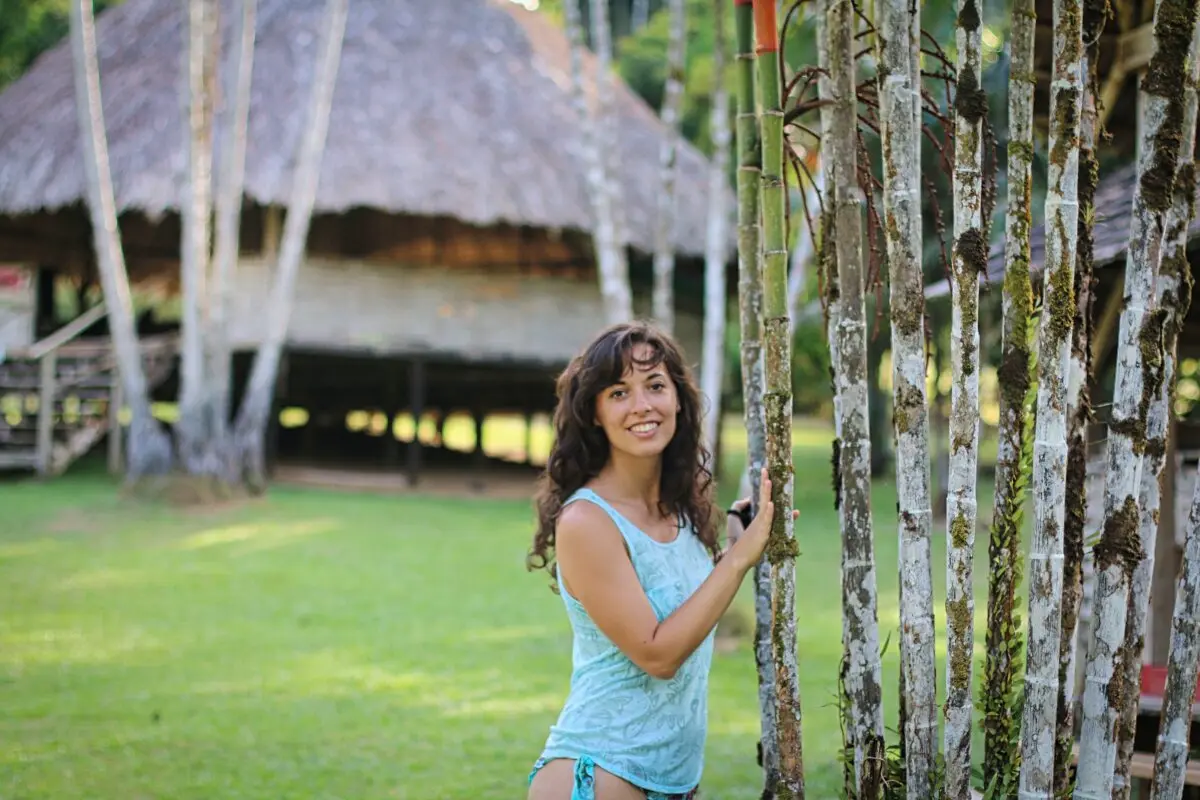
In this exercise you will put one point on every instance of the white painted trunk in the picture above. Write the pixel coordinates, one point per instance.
(862, 672)
(250, 431)
(663, 296)
(969, 261)
(1171, 301)
(611, 263)
(1138, 379)
(1004, 550)
(1171, 751)
(1050, 435)
(230, 187)
(149, 450)
(712, 367)
(899, 99)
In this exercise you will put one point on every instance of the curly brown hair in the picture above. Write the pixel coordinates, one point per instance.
(581, 448)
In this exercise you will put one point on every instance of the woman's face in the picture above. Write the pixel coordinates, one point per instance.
(638, 413)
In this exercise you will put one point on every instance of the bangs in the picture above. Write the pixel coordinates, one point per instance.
(614, 356)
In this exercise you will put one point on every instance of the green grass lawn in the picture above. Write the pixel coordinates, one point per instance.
(332, 645)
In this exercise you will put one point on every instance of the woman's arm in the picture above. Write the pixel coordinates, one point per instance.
(598, 573)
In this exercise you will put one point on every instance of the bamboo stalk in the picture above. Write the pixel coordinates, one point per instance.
(862, 673)
(899, 104)
(1138, 382)
(969, 261)
(777, 405)
(750, 319)
(1050, 445)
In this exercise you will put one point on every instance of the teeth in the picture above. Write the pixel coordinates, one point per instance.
(645, 427)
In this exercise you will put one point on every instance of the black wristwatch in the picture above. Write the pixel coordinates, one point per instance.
(745, 515)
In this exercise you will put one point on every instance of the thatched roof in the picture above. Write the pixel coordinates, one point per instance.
(457, 108)
(1114, 216)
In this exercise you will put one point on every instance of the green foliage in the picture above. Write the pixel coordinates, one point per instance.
(30, 27)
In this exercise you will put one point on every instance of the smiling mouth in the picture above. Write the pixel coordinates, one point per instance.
(644, 427)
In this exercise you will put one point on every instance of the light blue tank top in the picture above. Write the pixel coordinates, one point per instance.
(649, 731)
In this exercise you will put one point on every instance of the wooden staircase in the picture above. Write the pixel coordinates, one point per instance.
(76, 378)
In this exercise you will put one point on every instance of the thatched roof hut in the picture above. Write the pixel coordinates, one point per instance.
(454, 108)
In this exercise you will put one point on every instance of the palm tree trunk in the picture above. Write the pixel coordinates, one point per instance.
(749, 152)
(1003, 642)
(969, 261)
(712, 370)
(899, 96)
(862, 674)
(1138, 382)
(230, 187)
(149, 450)
(611, 264)
(777, 406)
(663, 300)
(194, 431)
(250, 431)
(1173, 301)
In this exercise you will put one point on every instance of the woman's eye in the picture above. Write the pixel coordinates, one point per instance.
(658, 387)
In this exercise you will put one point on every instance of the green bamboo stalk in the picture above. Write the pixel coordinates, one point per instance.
(749, 152)
(777, 405)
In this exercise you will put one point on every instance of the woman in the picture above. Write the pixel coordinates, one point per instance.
(625, 506)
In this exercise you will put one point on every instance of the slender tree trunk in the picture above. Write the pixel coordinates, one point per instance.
(640, 15)
(663, 300)
(193, 434)
(1003, 641)
(828, 265)
(1175, 725)
(230, 188)
(806, 245)
(1050, 445)
(149, 450)
(251, 428)
(777, 405)
(969, 261)
(606, 121)
(899, 96)
(1079, 410)
(1138, 382)
(1172, 299)
(712, 371)
(860, 626)
(749, 151)
(611, 264)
